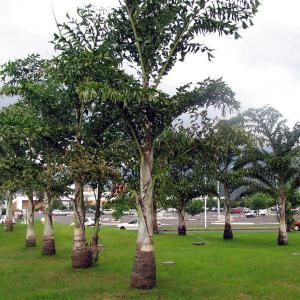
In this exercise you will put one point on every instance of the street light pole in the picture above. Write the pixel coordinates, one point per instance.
(205, 224)
(218, 191)
(218, 208)
(205, 198)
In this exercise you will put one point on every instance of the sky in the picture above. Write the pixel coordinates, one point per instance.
(262, 68)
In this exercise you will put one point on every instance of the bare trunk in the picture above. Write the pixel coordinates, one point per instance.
(48, 238)
(282, 232)
(30, 234)
(155, 224)
(9, 225)
(227, 235)
(95, 237)
(144, 268)
(181, 220)
(81, 253)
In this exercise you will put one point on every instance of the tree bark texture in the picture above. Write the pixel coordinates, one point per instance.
(30, 234)
(227, 235)
(144, 268)
(155, 224)
(95, 237)
(282, 239)
(81, 252)
(181, 220)
(48, 238)
(9, 225)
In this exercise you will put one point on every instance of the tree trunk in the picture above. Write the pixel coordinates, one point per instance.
(144, 268)
(48, 238)
(155, 224)
(282, 233)
(9, 225)
(181, 220)
(95, 236)
(30, 234)
(227, 235)
(81, 253)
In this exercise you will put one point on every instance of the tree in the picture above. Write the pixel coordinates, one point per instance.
(154, 35)
(10, 168)
(259, 201)
(51, 88)
(179, 172)
(21, 131)
(226, 144)
(274, 161)
(101, 171)
(29, 80)
(195, 207)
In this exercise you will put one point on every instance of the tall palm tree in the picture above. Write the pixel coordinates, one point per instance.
(225, 145)
(274, 162)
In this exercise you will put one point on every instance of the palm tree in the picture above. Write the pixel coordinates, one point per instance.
(8, 225)
(274, 162)
(225, 145)
(153, 35)
(180, 172)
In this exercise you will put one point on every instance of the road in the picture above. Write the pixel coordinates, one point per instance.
(170, 219)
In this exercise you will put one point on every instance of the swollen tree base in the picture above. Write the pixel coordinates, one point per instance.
(48, 246)
(143, 274)
(8, 226)
(227, 232)
(82, 258)
(30, 242)
(282, 239)
(181, 230)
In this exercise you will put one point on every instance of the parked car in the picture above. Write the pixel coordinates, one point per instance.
(2, 220)
(88, 221)
(90, 211)
(64, 213)
(107, 211)
(130, 212)
(297, 225)
(131, 225)
(236, 211)
(262, 212)
(57, 212)
(171, 210)
(250, 214)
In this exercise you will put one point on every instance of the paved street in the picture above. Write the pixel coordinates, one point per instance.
(170, 219)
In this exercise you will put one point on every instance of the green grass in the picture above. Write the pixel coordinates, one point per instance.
(249, 267)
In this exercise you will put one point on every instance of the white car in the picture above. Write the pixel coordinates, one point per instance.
(107, 211)
(262, 212)
(2, 220)
(131, 225)
(56, 212)
(90, 221)
(250, 214)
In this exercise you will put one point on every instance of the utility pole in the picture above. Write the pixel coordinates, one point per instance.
(218, 191)
(205, 217)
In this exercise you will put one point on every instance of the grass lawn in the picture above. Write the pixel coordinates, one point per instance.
(249, 267)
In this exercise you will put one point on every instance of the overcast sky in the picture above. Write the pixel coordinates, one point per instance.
(262, 68)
